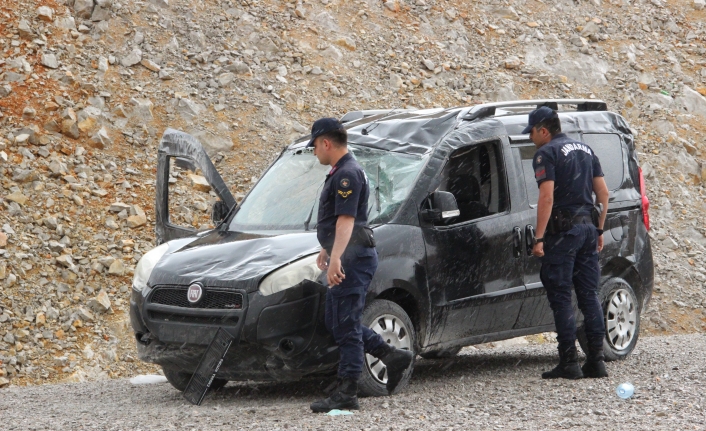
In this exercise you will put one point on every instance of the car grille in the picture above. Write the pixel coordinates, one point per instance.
(212, 299)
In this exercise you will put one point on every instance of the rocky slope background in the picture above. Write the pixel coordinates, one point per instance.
(88, 86)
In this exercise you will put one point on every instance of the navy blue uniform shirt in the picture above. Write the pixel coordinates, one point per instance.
(345, 192)
(572, 166)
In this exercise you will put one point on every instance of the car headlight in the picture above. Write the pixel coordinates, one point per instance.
(290, 275)
(146, 265)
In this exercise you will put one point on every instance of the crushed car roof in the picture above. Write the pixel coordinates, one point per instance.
(419, 131)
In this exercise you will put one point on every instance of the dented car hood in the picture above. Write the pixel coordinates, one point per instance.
(230, 259)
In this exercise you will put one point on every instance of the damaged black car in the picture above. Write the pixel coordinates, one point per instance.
(452, 204)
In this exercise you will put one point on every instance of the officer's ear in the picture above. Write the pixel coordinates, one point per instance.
(327, 144)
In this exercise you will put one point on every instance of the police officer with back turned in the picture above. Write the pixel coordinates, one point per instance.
(569, 238)
(349, 256)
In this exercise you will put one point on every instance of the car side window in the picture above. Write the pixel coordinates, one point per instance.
(475, 175)
(526, 153)
(609, 150)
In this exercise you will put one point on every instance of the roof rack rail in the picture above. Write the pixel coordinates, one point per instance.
(488, 109)
(359, 115)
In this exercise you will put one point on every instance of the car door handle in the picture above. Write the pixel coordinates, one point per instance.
(529, 239)
(516, 242)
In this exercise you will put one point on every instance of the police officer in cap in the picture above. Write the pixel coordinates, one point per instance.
(569, 238)
(349, 256)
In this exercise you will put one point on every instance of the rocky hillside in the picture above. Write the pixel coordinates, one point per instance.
(88, 86)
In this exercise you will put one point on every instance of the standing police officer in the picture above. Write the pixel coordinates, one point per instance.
(348, 253)
(569, 237)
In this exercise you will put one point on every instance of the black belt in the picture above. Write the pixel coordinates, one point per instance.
(582, 219)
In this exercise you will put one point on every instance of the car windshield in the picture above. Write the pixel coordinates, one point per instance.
(287, 196)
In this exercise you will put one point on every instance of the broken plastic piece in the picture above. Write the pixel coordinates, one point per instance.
(147, 379)
(208, 367)
(336, 412)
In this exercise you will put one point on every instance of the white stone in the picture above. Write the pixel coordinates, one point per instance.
(226, 78)
(694, 102)
(50, 61)
(116, 268)
(65, 22)
(190, 109)
(142, 109)
(212, 143)
(101, 303)
(45, 13)
(395, 81)
(132, 59)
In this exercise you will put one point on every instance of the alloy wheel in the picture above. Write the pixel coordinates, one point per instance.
(396, 334)
(621, 319)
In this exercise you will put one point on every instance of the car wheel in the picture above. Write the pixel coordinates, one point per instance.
(391, 322)
(621, 314)
(442, 353)
(180, 380)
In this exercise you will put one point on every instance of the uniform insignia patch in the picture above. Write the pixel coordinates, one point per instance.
(345, 194)
(345, 183)
(540, 173)
(539, 159)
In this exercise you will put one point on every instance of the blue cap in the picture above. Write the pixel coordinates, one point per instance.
(538, 115)
(323, 126)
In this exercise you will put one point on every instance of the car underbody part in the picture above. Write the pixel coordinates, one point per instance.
(206, 372)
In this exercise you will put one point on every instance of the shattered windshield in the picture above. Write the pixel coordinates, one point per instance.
(287, 196)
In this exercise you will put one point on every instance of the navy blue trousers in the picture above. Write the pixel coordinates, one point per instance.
(571, 258)
(344, 311)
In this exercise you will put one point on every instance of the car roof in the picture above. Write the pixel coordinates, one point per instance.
(420, 131)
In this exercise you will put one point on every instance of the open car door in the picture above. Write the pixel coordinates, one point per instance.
(185, 177)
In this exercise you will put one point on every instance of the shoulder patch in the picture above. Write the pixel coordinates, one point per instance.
(540, 173)
(345, 183)
(345, 194)
(539, 159)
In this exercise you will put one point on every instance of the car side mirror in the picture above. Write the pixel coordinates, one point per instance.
(219, 212)
(443, 205)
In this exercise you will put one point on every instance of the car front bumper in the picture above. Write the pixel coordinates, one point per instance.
(278, 337)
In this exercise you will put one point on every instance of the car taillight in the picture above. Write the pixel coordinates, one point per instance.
(645, 202)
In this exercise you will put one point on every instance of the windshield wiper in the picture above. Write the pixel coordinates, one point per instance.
(311, 211)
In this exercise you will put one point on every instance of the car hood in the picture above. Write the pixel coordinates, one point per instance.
(230, 259)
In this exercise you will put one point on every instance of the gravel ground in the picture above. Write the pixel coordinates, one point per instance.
(487, 388)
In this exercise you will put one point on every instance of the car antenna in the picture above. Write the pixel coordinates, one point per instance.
(367, 129)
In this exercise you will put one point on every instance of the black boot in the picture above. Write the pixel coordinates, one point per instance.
(568, 367)
(345, 397)
(595, 364)
(397, 361)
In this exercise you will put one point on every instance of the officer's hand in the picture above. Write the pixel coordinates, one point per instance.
(335, 273)
(322, 260)
(600, 243)
(538, 249)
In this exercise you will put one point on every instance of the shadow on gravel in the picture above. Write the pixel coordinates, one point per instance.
(480, 363)
(476, 364)
(267, 391)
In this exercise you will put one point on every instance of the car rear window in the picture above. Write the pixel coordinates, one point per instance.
(609, 150)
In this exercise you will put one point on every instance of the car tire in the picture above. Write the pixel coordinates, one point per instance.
(394, 325)
(621, 314)
(442, 353)
(179, 380)
(176, 378)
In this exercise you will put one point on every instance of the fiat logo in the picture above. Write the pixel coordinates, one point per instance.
(194, 293)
